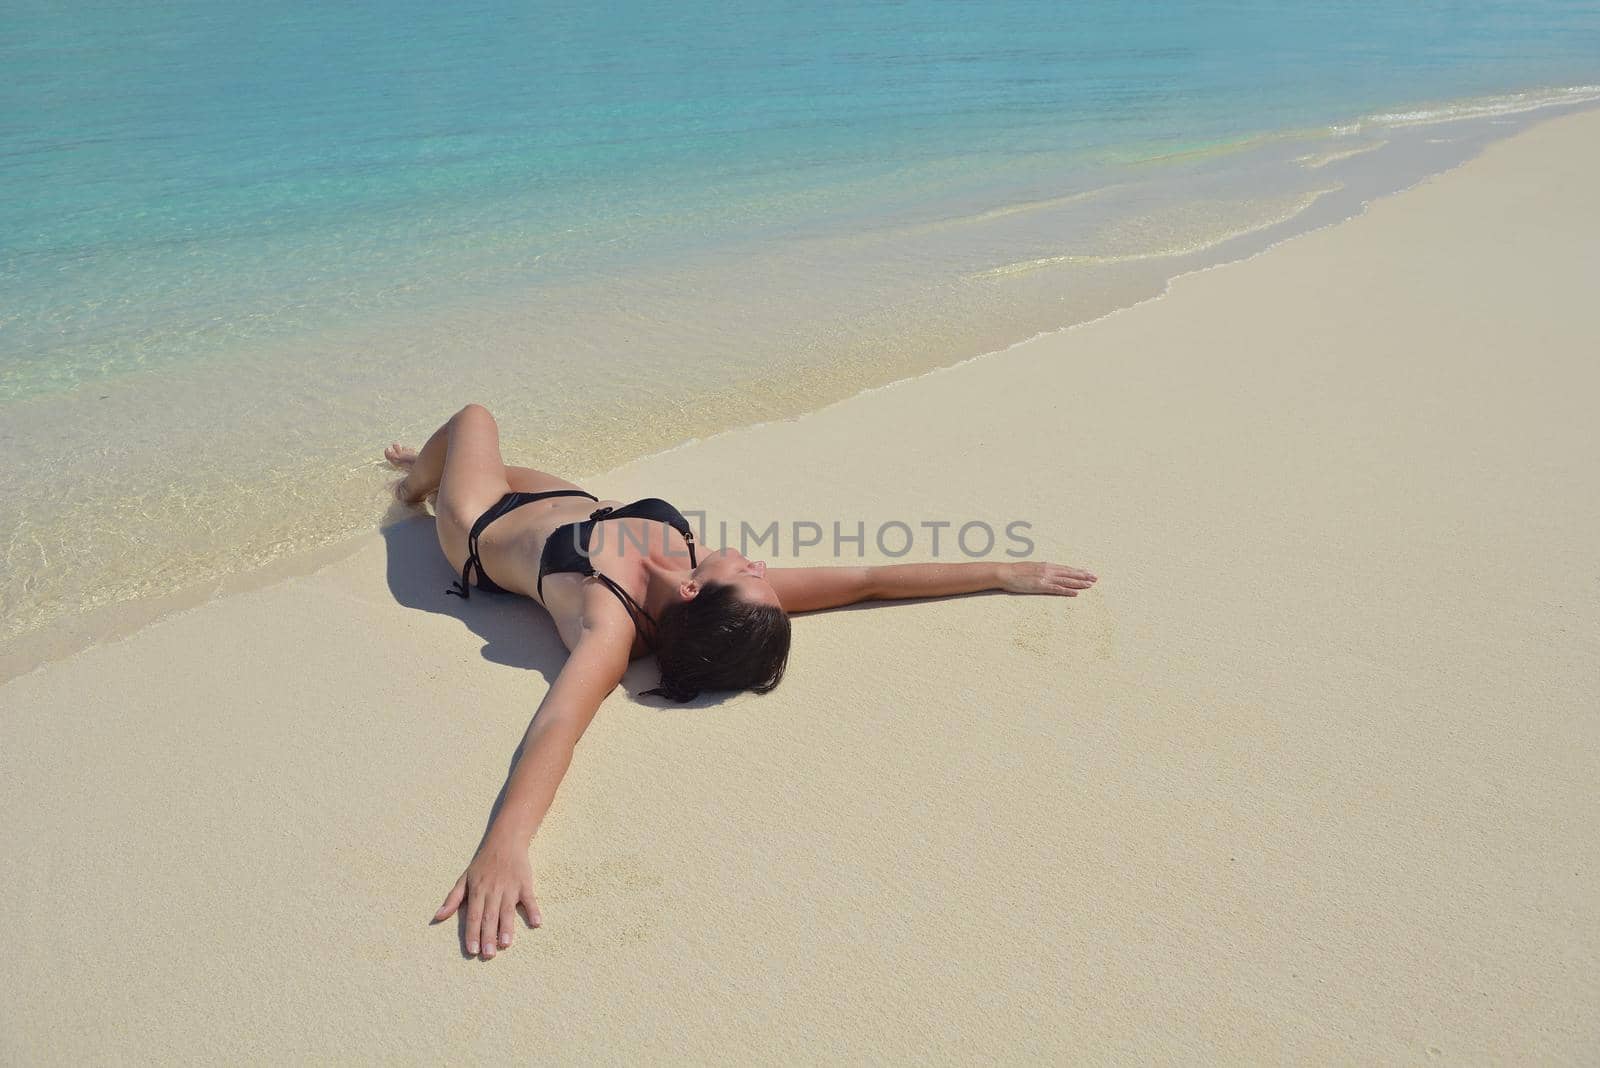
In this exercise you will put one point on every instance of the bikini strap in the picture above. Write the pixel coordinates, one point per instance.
(635, 610)
(462, 589)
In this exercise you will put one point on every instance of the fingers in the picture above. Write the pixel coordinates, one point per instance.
(490, 918)
(508, 920)
(452, 900)
(474, 921)
(530, 909)
(488, 943)
(1072, 578)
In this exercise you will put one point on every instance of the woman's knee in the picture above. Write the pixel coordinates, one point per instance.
(473, 413)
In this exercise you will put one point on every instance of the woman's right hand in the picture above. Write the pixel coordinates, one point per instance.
(494, 884)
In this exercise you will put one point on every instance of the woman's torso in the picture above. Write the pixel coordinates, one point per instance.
(512, 546)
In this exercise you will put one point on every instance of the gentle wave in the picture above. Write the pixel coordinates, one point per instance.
(1296, 206)
(1483, 107)
(1315, 161)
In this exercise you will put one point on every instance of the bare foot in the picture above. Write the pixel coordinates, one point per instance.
(403, 456)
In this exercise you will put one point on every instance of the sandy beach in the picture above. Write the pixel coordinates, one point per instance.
(1309, 775)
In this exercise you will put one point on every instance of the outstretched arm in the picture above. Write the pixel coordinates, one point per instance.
(808, 589)
(500, 877)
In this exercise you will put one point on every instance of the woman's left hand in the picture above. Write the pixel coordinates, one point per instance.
(1057, 579)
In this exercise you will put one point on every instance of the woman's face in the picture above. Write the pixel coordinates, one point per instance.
(729, 567)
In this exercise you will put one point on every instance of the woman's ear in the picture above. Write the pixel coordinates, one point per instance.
(688, 590)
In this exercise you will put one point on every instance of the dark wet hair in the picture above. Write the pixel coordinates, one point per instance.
(718, 641)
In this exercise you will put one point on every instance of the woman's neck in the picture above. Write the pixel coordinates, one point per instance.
(661, 589)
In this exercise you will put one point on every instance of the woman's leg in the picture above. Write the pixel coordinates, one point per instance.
(462, 462)
(425, 467)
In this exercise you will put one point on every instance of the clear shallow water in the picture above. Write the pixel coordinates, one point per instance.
(241, 247)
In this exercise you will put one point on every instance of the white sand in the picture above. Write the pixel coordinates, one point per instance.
(1310, 775)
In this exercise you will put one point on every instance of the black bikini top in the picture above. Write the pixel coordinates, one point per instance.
(567, 550)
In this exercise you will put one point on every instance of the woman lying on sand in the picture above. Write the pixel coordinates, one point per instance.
(715, 621)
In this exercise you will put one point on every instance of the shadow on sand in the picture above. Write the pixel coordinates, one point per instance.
(515, 631)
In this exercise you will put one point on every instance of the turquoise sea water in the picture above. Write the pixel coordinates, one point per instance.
(243, 245)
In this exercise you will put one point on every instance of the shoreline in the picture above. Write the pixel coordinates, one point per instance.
(1306, 777)
(119, 619)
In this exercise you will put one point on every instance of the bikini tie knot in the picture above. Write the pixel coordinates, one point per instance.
(600, 513)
